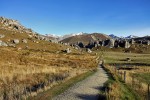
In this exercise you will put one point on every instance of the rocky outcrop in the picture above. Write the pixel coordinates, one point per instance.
(127, 44)
(111, 43)
(13, 25)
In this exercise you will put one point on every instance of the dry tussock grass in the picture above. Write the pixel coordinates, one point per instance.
(136, 83)
(25, 72)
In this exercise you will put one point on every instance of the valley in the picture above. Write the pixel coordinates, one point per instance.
(35, 66)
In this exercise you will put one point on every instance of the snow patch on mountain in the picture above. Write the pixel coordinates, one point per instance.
(61, 37)
(121, 37)
(131, 36)
(113, 36)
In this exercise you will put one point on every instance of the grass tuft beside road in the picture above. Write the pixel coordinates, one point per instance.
(116, 89)
(60, 88)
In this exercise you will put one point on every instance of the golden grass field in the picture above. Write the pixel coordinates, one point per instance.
(25, 72)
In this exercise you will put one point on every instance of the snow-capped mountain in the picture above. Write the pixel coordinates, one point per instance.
(121, 37)
(53, 35)
(70, 35)
(62, 37)
(131, 36)
(59, 37)
(114, 36)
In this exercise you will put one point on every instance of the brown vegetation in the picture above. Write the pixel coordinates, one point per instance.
(26, 72)
(85, 38)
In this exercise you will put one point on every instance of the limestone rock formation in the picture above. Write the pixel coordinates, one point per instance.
(3, 43)
(111, 43)
(16, 41)
(24, 41)
(2, 35)
(127, 44)
(14, 25)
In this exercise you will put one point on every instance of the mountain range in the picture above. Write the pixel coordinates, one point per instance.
(127, 37)
(14, 25)
(61, 37)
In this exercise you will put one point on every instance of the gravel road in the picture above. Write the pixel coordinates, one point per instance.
(87, 89)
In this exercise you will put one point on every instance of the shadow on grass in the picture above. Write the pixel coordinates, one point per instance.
(91, 97)
(129, 64)
(105, 87)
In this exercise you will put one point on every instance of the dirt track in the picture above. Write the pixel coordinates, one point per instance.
(87, 89)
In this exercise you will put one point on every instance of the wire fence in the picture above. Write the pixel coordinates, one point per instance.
(138, 85)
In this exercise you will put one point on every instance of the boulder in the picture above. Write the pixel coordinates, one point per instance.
(89, 50)
(68, 50)
(116, 44)
(16, 41)
(19, 48)
(30, 36)
(24, 41)
(11, 45)
(76, 48)
(2, 35)
(132, 41)
(26, 47)
(3, 43)
(40, 37)
(148, 42)
(103, 43)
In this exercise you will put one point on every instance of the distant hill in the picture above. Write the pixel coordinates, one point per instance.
(143, 38)
(85, 38)
(114, 36)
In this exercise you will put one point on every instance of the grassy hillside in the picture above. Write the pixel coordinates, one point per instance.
(32, 71)
(37, 65)
(32, 42)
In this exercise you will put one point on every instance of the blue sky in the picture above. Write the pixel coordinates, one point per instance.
(119, 17)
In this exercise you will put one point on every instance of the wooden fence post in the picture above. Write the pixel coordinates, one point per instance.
(125, 76)
(118, 72)
(115, 70)
(132, 81)
(121, 75)
(148, 92)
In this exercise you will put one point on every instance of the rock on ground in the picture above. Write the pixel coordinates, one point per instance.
(16, 41)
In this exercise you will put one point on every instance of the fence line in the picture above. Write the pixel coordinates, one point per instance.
(136, 84)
